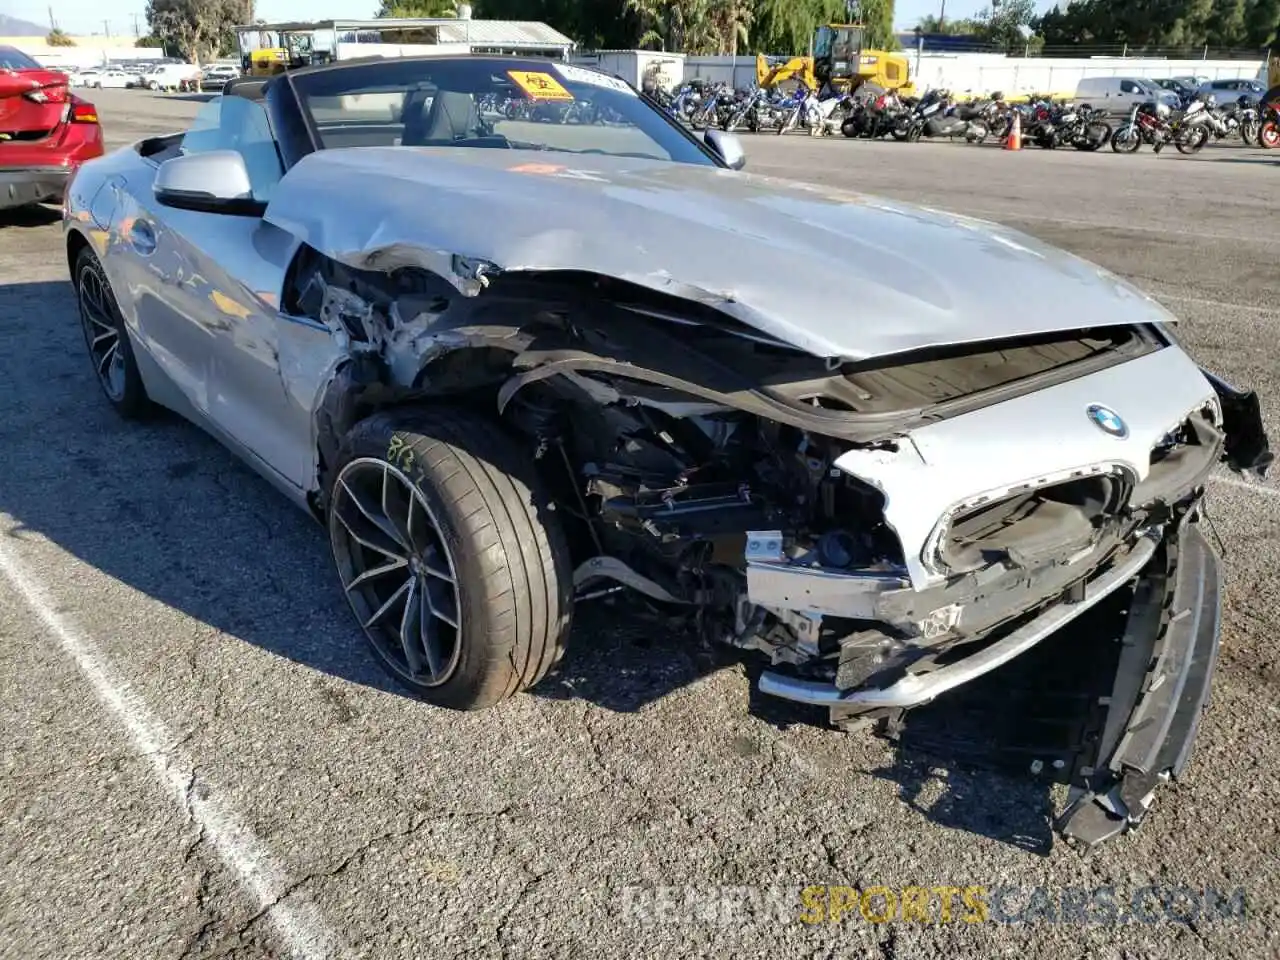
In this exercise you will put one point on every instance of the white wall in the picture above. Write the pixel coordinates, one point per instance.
(92, 56)
(631, 65)
(354, 51)
(740, 71)
(983, 72)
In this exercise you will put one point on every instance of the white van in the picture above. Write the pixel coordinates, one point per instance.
(169, 76)
(1119, 95)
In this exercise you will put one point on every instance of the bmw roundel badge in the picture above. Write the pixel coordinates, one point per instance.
(1107, 420)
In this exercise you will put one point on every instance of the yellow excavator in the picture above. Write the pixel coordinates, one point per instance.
(839, 59)
(774, 71)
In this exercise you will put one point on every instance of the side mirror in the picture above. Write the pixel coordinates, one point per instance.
(727, 147)
(212, 182)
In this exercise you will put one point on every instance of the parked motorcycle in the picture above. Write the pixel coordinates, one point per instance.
(1249, 118)
(1268, 127)
(1196, 124)
(753, 112)
(935, 117)
(795, 111)
(1155, 123)
(1080, 127)
(1148, 123)
(875, 116)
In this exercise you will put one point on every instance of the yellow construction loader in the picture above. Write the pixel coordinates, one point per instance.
(839, 59)
(774, 71)
(267, 49)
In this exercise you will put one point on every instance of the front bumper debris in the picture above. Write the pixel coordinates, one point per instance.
(914, 689)
(1161, 688)
(1247, 448)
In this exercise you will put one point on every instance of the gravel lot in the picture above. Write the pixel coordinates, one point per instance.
(198, 758)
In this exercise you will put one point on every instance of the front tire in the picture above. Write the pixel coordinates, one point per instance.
(110, 352)
(1095, 135)
(1269, 135)
(1126, 139)
(1192, 141)
(450, 555)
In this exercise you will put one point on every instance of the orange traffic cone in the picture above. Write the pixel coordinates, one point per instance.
(1014, 140)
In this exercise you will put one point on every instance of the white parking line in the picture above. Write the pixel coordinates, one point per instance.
(1257, 488)
(1001, 216)
(298, 922)
(1223, 304)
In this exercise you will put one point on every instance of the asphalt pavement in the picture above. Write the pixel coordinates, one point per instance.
(199, 759)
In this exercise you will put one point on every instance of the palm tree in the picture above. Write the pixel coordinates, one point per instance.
(653, 19)
(733, 19)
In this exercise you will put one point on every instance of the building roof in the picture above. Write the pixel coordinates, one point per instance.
(529, 33)
(484, 33)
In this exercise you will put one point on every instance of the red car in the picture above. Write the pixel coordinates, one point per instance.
(46, 131)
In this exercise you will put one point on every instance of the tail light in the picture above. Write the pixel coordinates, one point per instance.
(56, 93)
(83, 112)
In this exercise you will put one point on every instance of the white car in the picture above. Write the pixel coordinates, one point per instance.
(100, 79)
(219, 75)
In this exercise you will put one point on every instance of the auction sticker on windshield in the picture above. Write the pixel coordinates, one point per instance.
(539, 86)
(592, 78)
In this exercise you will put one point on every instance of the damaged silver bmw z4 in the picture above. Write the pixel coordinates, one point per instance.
(517, 337)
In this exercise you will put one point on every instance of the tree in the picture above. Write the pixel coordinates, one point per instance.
(1261, 20)
(732, 20)
(57, 38)
(1001, 25)
(200, 29)
(652, 15)
(876, 17)
(417, 9)
(787, 26)
(1164, 24)
(952, 28)
(152, 42)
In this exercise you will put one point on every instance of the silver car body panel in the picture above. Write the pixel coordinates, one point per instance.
(1030, 441)
(200, 299)
(780, 256)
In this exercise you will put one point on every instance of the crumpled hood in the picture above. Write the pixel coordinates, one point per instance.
(828, 271)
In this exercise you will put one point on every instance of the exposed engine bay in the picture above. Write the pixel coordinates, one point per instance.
(767, 493)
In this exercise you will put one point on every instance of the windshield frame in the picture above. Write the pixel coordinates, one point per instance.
(295, 80)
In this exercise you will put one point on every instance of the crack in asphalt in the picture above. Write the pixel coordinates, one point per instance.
(356, 855)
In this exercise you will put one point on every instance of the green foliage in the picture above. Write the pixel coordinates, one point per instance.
(787, 26)
(408, 9)
(57, 38)
(1221, 24)
(876, 17)
(1001, 26)
(744, 27)
(956, 28)
(152, 43)
(198, 29)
